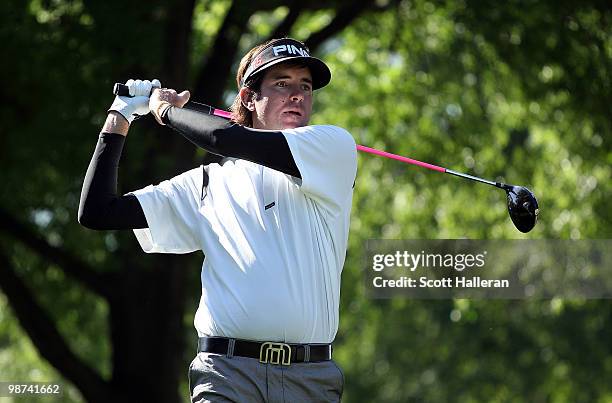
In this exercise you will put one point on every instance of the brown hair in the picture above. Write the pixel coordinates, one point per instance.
(240, 113)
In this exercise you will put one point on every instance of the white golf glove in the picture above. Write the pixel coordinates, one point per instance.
(137, 104)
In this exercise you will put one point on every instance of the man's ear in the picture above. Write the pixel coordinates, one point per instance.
(247, 96)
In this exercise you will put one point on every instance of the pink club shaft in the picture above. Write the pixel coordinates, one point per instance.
(400, 158)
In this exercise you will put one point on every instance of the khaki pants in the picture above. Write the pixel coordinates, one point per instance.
(217, 378)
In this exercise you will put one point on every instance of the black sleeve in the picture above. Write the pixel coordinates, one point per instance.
(100, 208)
(220, 136)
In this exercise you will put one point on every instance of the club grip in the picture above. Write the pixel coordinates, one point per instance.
(121, 90)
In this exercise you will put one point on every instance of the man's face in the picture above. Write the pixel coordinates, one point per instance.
(285, 98)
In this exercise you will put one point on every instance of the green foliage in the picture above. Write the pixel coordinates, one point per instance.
(20, 362)
(430, 83)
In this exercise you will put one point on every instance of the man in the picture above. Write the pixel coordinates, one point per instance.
(272, 221)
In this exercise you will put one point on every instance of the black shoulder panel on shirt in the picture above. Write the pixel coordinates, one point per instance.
(220, 136)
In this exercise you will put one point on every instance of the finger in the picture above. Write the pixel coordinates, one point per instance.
(145, 88)
(134, 88)
(156, 84)
(182, 98)
(130, 85)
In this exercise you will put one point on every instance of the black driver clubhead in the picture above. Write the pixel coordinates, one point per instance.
(522, 207)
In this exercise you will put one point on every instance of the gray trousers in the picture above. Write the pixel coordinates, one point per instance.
(217, 378)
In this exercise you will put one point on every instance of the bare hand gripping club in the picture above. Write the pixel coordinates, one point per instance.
(522, 204)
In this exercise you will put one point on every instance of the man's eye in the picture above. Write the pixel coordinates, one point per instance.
(281, 84)
(306, 87)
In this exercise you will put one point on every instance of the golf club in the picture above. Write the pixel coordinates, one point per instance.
(522, 204)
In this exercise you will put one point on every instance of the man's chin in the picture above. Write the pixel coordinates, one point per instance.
(292, 124)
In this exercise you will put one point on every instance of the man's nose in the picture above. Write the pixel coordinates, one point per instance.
(297, 94)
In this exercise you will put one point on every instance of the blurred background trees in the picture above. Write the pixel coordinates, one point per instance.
(519, 91)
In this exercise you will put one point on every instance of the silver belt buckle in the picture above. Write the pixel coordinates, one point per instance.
(275, 353)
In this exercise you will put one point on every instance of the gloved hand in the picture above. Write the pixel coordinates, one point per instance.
(137, 104)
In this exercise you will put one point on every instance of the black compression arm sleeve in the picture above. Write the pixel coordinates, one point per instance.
(100, 208)
(219, 136)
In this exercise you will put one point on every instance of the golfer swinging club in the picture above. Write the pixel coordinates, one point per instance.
(272, 221)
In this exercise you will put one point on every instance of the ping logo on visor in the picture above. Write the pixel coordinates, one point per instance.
(288, 49)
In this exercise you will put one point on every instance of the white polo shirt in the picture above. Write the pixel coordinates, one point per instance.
(274, 245)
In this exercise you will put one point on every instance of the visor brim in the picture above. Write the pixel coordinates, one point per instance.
(321, 75)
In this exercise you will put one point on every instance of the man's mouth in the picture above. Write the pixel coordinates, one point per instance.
(295, 113)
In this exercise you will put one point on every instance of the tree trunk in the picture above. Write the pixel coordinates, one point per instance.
(146, 316)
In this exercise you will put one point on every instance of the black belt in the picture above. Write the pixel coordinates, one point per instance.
(266, 352)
